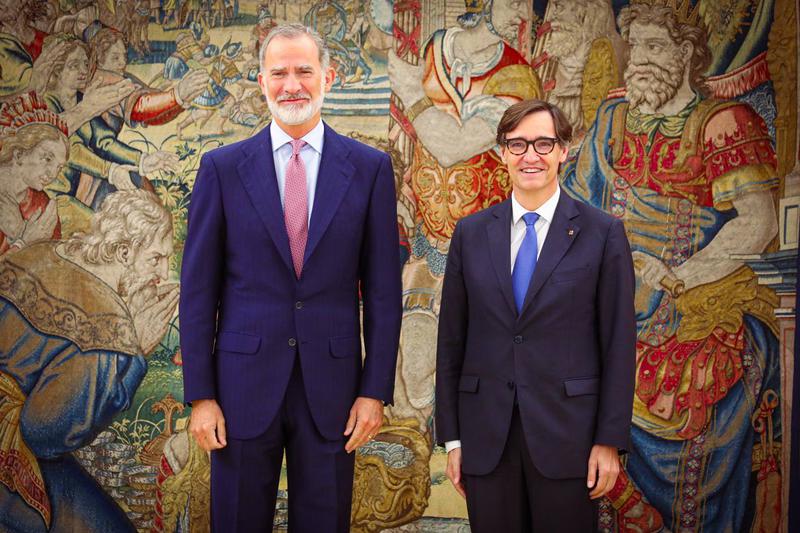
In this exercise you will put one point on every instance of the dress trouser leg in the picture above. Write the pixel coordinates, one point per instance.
(516, 497)
(245, 474)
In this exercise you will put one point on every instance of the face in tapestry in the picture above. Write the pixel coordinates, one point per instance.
(507, 15)
(39, 166)
(657, 66)
(148, 267)
(115, 58)
(75, 74)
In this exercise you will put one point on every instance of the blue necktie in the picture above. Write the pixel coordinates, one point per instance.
(526, 261)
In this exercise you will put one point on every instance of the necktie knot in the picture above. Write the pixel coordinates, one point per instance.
(530, 218)
(297, 145)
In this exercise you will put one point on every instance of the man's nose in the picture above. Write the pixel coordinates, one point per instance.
(531, 155)
(637, 55)
(163, 269)
(292, 84)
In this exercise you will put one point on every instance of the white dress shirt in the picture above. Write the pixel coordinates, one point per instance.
(311, 154)
(546, 212)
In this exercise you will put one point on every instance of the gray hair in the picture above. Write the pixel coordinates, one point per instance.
(296, 30)
(127, 218)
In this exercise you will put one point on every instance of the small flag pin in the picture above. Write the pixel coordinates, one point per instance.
(570, 232)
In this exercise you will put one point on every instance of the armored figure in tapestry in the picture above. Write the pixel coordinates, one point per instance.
(693, 177)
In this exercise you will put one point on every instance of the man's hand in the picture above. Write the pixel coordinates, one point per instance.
(603, 470)
(191, 86)
(120, 177)
(651, 270)
(453, 471)
(151, 321)
(207, 425)
(99, 98)
(366, 418)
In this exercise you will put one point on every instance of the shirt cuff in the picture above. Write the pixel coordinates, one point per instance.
(452, 445)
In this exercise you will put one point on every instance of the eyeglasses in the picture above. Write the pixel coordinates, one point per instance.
(541, 145)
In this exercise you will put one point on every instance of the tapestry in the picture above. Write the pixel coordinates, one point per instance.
(100, 99)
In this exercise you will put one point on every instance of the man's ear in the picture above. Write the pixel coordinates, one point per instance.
(687, 49)
(564, 153)
(124, 254)
(16, 154)
(330, 77)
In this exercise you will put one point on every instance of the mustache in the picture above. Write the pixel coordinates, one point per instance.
(294, 96)
(658, 72)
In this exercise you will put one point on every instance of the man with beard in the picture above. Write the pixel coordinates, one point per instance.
(693, 179)
(577, 29)
(288, 230)
(72, 354)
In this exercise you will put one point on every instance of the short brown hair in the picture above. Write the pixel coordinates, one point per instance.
(514, 115)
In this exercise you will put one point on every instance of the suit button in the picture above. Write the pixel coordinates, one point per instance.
(518, 339)
(292, 342)
(510, 385)
(298, 305)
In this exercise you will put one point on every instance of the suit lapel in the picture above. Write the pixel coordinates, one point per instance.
(257, 173)
(499, 233)
(562, 233)
(333, 180)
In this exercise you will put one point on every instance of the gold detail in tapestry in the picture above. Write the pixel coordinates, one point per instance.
(188, 491)
(518, 81)
(19, 469)
(100, 322)
(445, 195)
(723, 20)
(392, 478)
(723, 303)
(782, 62)
(599, 77)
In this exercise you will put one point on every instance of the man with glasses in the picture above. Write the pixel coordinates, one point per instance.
(536, 348)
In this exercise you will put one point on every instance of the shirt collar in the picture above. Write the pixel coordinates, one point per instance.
(313, 138)
(546, 211)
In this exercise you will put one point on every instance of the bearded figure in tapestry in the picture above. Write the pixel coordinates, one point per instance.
(77, 319)
(693, 178)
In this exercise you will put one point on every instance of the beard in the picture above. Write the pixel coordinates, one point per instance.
(137, 291)
(294, 114)
(660, 85)
(565, 40)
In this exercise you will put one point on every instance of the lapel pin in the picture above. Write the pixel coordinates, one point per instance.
(570, 232)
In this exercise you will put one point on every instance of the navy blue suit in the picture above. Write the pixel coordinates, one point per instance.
(564, 365)
(258, 340)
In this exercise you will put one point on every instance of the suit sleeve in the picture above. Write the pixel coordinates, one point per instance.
(453, 323)
(201, 276)
(617, 336)
(381, 287)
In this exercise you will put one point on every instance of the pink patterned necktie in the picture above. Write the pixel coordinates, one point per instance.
(295, 206)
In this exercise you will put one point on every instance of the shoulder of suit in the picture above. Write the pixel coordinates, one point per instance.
(232, 152)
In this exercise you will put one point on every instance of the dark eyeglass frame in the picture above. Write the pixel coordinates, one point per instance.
(554, 140)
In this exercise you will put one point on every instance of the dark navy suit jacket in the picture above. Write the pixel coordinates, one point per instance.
(569, 356)
(244, 316)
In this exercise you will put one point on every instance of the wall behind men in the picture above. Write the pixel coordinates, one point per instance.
(427, 82)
